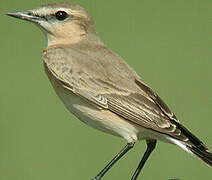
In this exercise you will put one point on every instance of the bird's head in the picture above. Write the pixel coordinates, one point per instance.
(62, 22)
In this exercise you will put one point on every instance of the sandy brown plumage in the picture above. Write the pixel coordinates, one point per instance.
(101, 89)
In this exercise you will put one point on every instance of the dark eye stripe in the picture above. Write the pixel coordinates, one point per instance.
(43, 17)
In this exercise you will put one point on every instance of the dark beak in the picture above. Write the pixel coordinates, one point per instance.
(29, 16)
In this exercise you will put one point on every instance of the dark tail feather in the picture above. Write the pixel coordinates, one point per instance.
(198, 147)
(203, 155)
(192, 138)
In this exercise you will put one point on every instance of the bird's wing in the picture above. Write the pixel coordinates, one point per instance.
(150, 113)
(142, 106)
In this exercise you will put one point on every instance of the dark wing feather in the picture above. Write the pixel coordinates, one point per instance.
(184, 132)
(164, 108)
(140, 110)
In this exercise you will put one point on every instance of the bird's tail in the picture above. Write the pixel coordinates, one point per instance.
(194, 146)
(203, 155)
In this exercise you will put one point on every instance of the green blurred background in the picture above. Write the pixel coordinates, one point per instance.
(167, 42)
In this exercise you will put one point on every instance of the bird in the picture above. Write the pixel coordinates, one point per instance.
(101, 89)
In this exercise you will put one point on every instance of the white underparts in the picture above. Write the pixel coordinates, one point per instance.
(181, 144)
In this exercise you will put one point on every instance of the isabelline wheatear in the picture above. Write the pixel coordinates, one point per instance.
(100, 88)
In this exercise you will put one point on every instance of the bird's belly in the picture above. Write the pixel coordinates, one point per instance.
(103, 120)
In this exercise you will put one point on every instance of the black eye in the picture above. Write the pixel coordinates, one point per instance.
(61, 15)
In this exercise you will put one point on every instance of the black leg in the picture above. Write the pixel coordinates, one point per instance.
(114, 160)
(150, 147)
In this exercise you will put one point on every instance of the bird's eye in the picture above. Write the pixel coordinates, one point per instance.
(61, 15)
